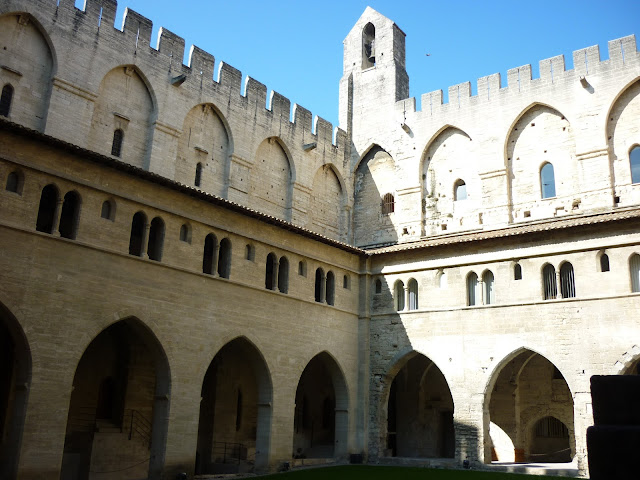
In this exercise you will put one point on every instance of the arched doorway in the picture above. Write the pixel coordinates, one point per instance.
(530, 409)
(419, 412)
(118, 412)
(235, 411)
(15, 379)
(320, 426)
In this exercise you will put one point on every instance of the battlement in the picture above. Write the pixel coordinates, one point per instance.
(134, 36)
(586, 62)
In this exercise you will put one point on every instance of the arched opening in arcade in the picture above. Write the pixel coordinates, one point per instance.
(118, 412)
(235, 412)
(633, 368)
(15, 378)
(419, 412)
(528, 412)
(320, 426)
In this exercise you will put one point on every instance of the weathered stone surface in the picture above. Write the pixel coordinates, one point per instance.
(232, 284)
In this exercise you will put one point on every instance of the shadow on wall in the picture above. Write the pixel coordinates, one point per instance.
(412, 417)
(374, 210)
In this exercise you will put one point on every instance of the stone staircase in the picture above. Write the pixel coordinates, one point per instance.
(116, 457)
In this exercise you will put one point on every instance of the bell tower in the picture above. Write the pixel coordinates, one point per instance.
(374, 75)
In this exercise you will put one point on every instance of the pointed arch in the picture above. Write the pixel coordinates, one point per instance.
(518, 117)
(628, 362)
(272, 175)
(15, 382)
(412, 380)
(623, 134)
(237, 390)
(107, 356)
(322, 379)
(423, 157)
(448, 176)
(608, 107)
(373, 179)
(327, 212)
(37, 66)
(517, 418)
(366, 151)
(204, 149)
(528, 148)
(125, 110)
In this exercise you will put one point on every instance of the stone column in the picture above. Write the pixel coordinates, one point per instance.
(406, 298)
(145, 241)
(56, 217)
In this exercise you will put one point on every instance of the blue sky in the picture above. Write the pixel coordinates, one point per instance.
(295, 47)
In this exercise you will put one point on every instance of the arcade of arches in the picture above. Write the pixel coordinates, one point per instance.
(121, 389)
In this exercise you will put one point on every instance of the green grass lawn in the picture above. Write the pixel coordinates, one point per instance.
(368, 472)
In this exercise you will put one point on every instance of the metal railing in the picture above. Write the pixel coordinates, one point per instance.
(135, 424)
(82, 419)
(225, 452)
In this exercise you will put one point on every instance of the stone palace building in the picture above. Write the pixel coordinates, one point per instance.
(198, 276)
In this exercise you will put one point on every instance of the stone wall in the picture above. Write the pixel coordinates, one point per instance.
(64, 292)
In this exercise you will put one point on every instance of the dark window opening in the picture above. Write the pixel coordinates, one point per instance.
(283, 275)
(517, 272)
(302, 268)
(368, 46)
(5, 100)
(319, 287)
(549, 281)
(399, 293)
(567, 281)
(156, 239)
(378, 286)
(346, 283)
(116, 145)
(388, 204)
(14, 182)
(270, 278)
(185, 233)
(198, 174)
(47, 209)
(107, 210)
(208, 260)
(331, 288)
(224, 258)
(69, 215)
(472, 289)
(604, 262)
(250, 253)
(136, 240)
